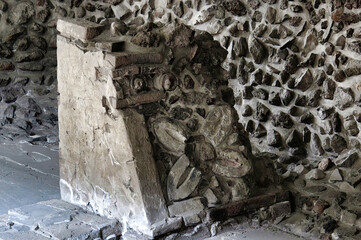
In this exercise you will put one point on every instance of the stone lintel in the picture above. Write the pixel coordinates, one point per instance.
(110, 46)
(78, 29)
(136, 100)
(116, 60)
(247, 205)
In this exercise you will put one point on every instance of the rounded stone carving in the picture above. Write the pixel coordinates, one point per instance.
(218, 124)
(170, 134)
(166, 82)
(178, 189)
(231, 163)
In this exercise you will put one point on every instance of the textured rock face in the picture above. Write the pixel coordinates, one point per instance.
(308, 55)
(130, 118)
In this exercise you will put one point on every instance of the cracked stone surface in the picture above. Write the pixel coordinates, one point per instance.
(23, 178)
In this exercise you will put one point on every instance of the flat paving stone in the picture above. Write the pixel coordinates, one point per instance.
(72, 230)
(22, 236)
(23, 179)
(36, 215)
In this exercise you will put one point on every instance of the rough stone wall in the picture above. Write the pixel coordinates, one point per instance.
(293, 64)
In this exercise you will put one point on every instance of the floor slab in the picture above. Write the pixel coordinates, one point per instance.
(28, 174)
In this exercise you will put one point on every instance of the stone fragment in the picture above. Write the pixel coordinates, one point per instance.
(286, 96)
(231, 163)
(323, 164)
(344, 97)
(247, 111)
(170, 134)
(275, 99)
(79, 29)
(347, 161)
(316, 145)
(271, 15)
(260, 30)
(307, 118)
(6, 66)
(319, 206)
(351, 127)
(355, 46)
(329, 88)
(258, 51)
(338, 143)
(218, 124)
(260, 93)
(335, 176)
(187, 207)
(211, 197)
(274, 138)
(294, 139)
(29, 56)
(240, 47)
(291, 65)
(280, 210)
(305, 81)
(235, 7)
(282, 120)
(315, 174)
(336, 122)
(22, 12)
(262, 113)
(177, 190)
(348, 217)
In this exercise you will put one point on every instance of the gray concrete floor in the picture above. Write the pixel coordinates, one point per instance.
(28, 174)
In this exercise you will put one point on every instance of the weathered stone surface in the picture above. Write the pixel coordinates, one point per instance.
(291, 65)
(304, 81)
(286, 96)
(274, 138)
(316, 145)
(170, 134)
(262, 113)
(324, 164)
(130, 173)
(233, 164)
(335, 176)
(218, 124)
(240, 47)
(258, 51)
(235, 7)
(187, 207)
(344, 97)
(315, 174)
(22, 13)
(282, 120)
(347, 161)
(338, 143)
(294, 139)
(79, 29)
(174, 189)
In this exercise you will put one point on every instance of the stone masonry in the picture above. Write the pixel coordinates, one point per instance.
(148, 134)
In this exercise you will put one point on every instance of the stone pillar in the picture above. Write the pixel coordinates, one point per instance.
(106, 159)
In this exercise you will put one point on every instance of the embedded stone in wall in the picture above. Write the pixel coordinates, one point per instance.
(218, 124)
(170, 134)
(176, 189)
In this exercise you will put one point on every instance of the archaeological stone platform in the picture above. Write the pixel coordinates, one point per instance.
(148, 134)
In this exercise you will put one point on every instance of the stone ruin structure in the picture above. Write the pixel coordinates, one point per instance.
(293, 67)
(147, 128)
